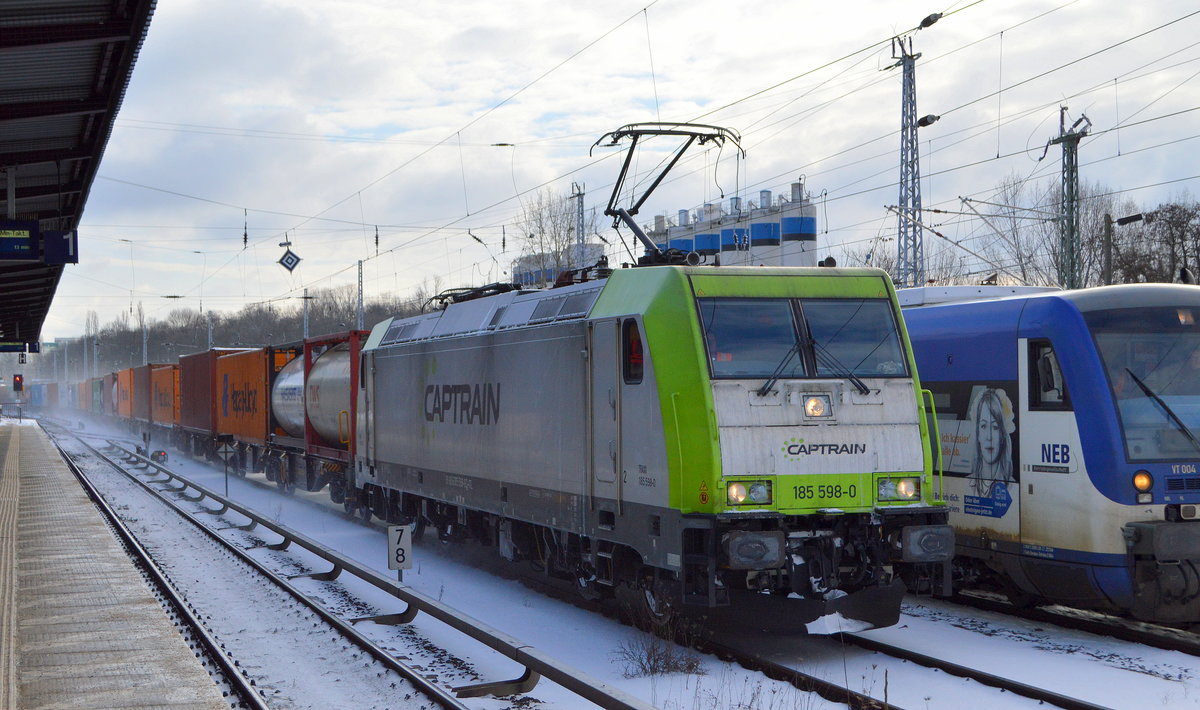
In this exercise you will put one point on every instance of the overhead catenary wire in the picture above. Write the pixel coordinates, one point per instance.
(833, 198)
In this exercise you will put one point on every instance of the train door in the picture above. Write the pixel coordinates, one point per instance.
(1051, 458)
(605, 437)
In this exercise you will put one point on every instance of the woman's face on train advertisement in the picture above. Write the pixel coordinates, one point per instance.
(988, 431)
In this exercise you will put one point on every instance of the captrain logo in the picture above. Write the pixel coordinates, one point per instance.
(463, 404)
(797, 449)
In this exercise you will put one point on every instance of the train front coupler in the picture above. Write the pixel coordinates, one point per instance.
(1165, 560)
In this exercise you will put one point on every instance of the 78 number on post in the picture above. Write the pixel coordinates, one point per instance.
(400, 546)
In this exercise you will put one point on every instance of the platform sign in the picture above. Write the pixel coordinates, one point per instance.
(10, 347)
(400, 546)
(19, 240)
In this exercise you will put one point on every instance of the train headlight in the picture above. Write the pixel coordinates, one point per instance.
(896, 489)
(817, 405)
(1143, 482)
(749, 493)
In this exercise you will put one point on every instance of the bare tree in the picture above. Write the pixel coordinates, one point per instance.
(548, 233)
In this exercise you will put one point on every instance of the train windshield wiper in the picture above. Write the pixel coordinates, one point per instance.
(1183, 428)
(787, 357)
(828, 359)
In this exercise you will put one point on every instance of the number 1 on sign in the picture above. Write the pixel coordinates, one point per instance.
(400, 546)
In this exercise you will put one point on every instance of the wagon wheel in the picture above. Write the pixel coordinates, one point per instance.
(363, 504)
(337, 491)
(284, 483)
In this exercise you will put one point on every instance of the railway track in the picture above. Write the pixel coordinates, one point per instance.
(867, 653)
(535, 663)
(1154, 635)
(221, 666)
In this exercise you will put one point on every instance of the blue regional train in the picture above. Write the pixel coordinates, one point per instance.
(1070, 440)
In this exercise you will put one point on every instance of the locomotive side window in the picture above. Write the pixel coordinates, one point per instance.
(1046, 387)
(632, 355)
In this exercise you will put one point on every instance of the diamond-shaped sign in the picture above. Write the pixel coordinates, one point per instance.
(289, 260)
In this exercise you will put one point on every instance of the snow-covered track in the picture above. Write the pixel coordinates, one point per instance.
(1154, 635)
(226, 672)
(1033, 692)
(536, 663)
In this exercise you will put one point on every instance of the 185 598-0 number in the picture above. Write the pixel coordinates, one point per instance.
(822, 492)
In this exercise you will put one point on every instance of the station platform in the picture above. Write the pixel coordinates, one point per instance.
(79, 627)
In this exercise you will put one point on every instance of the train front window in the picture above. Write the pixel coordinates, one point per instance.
(858, 335)
(826, 338)
(747, 338)
(1152, 360)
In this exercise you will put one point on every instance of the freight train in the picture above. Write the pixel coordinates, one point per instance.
(1070, 425)
(672, 435)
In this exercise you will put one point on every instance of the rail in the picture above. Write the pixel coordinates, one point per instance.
(536, 663)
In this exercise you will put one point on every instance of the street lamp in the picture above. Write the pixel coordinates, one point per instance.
(1148, 217)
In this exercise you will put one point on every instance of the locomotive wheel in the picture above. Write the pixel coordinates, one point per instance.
(337, 492)
(656, 605)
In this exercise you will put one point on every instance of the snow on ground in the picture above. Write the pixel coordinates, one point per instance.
(1110, 673)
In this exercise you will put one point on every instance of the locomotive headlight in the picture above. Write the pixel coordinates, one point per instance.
(1143, 482)
(748, 493)
(817, 405)
(898, 489)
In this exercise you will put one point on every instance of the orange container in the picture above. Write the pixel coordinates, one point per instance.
(108, 392)
(124, 393)
(243, 395)
(164, 381)
(143, 391)
(199, 390)
(243, 392)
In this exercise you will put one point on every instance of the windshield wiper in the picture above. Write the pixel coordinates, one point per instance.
(1183, 428)
(828, 359)
(787, 357)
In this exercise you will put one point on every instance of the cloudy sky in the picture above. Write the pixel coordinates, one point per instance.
(322, 122)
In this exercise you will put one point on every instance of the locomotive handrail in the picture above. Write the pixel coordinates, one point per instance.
(931, 413)
(537, 663)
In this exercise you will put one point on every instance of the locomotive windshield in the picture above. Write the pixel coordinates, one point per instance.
(753, 337)
(1152, 360)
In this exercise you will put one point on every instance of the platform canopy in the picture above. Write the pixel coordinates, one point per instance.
(64, 67)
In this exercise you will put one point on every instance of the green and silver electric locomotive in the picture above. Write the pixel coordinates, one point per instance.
(689, 435)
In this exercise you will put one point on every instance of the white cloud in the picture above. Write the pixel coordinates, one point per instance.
(256, 105)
